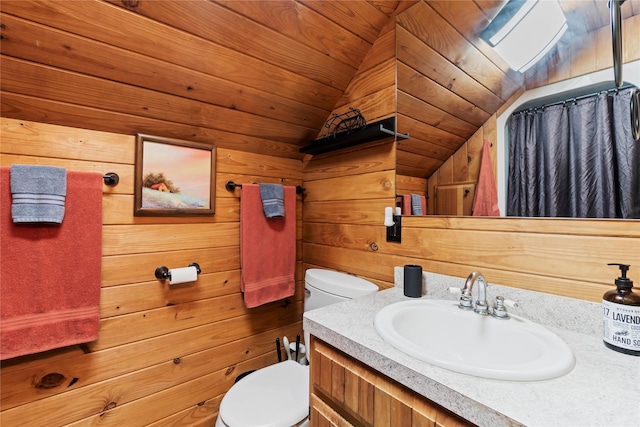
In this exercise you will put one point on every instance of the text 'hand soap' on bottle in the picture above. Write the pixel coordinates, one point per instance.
(621, 316)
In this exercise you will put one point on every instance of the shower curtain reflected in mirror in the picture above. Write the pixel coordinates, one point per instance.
(575, 159)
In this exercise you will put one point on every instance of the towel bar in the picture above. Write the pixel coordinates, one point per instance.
(230, 186)
(111, 178)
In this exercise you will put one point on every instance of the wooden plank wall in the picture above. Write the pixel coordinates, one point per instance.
(344, 231)
(186, 70)
(164, 356)
(557, 256)
(372, 89)
(411, 185)
(349, 189)
(344, 210)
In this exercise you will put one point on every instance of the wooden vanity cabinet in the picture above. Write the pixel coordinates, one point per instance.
(346, 392)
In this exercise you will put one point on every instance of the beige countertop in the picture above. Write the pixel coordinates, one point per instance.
(603, 389)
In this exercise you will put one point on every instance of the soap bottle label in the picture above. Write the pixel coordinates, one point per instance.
(621, 325)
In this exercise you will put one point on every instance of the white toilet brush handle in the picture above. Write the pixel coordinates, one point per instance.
(287, 349)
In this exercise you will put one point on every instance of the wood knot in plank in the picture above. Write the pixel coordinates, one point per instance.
(49, 381)
(131, 4)
(109, 406)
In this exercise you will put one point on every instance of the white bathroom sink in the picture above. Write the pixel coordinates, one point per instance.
(440, 333)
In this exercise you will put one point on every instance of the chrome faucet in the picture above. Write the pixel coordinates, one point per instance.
(481, 305)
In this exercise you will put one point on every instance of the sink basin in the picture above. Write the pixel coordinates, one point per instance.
(440, 333)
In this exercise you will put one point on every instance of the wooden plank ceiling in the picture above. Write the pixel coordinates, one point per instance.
(260, 76)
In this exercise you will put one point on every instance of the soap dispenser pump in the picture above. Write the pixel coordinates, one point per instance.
(621, 316)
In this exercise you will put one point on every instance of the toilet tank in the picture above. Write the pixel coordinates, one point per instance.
(325, 287)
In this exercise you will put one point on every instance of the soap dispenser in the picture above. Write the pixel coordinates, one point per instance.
(621, 316)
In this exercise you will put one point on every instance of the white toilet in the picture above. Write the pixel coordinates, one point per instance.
(278, 395)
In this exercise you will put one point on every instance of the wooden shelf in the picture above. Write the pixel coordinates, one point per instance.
(371, 132)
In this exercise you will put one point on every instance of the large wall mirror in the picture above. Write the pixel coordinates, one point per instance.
(455, 90)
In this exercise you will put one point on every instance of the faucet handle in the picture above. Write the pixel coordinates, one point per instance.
(500, 308)
(510, 303)
(465, 298)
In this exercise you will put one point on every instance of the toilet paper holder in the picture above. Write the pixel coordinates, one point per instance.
(164, 273)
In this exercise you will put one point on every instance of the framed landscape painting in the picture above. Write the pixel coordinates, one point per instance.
(173, 177)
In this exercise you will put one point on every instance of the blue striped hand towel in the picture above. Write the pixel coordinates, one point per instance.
(416, 206)
(272, 196)
(38, 193)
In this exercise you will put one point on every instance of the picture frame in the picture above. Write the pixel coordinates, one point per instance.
(173, 177)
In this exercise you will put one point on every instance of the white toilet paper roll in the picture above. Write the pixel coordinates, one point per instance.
(183, 275)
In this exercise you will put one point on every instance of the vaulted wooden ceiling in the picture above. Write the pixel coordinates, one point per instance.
(260, 76)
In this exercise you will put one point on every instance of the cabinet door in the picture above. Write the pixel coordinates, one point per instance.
(353, 392)
(424, 414)
(392, 404)
(323, 416)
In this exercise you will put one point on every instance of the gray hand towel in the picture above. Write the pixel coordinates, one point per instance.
(38, 193)
(416, 206)
(272, 196)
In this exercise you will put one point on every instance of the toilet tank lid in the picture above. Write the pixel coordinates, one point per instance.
(338, 283)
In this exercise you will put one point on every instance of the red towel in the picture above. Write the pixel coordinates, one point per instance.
(267, 248)
(50, 274)
(485, 202)
(406, 204)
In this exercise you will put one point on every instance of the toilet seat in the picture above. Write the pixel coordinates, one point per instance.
(275, 396)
